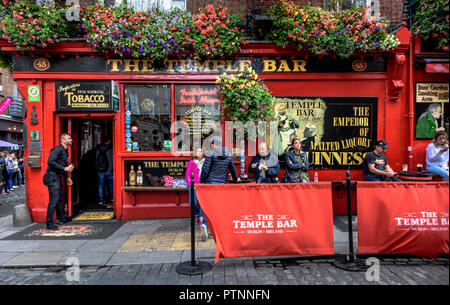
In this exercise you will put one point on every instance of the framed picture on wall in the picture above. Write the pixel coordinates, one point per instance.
(431, 109)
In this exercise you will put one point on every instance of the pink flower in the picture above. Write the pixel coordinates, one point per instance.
(235, 118)
(37, 28)
(243, 104)
(53, 21)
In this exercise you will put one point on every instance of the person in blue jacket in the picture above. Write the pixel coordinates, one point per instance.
(297, 164)
(264, 165)
(215, 169)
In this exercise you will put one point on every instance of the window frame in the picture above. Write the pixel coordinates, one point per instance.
(173, 152)
(165, 4)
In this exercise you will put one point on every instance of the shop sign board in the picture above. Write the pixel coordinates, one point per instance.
(431, 108)
(75, 95)
(336, 132)
(153, 171)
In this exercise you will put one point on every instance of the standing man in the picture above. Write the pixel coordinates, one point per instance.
(104, 166)
(376, 167)
(56, 169)
(218, 163)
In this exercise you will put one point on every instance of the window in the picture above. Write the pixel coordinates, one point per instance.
(199, 107)
(372, 5)
(147, 117)
(145, 5)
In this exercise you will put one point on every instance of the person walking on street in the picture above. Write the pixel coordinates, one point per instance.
(4, 173)
(22, 168)
(10, 170)
(195, 166)
(56, 169)
(104, 167)
(17, 175)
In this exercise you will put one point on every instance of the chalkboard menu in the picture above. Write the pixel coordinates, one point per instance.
(74, 95)
(153, 171)
(335, 132)
(199, 107)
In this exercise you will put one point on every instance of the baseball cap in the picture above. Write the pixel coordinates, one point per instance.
(382, 144)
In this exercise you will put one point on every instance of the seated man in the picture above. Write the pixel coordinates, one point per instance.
(376, 167)
(265, 165)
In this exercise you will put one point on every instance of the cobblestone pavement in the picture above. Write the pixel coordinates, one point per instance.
(392, 271)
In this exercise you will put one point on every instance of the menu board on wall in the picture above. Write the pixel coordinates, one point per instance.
(199, 107)
(431, 109)
(336, 132)
(74, 95)
(153, 171)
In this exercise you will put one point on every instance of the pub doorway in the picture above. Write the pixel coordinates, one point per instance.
(87, 137)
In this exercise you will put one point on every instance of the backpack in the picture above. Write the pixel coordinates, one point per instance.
(101, 163)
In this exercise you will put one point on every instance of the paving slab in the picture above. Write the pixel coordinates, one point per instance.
(59, 245)
(148, 257)
(36, 259)
(87, 258)
(6, 256)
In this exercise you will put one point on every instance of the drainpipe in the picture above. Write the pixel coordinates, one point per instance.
(411, 92)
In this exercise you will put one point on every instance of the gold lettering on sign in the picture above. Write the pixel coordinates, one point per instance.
(188, 65)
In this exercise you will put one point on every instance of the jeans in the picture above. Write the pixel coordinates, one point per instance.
(373, 177)
(101, 184)
(438, 170)
(17, 178)
(10, 174)
(53, 182)
(5, 185)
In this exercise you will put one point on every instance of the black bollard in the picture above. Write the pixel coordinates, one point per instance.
(193, 267)
(349, 217)
(350, 262)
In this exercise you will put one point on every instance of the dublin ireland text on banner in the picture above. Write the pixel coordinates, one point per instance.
(269, 219)
(403, 218)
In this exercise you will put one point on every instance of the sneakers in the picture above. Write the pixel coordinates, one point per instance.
(203, 232)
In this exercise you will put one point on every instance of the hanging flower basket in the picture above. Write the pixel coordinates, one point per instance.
(31, 26)
(431, 21)
(245, 98)
(323, 32)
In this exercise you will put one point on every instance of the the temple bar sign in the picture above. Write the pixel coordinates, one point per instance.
(77, 95)
(260, 65)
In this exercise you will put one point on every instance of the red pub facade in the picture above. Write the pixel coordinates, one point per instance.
(341, 106)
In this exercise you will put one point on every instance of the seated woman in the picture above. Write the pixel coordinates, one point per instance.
(297, 164)
(437, 155)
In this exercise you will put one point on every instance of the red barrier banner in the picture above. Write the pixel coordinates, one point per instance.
(269, 219)
(403, 218)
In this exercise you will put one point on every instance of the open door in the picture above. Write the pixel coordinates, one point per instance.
(67, 126)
